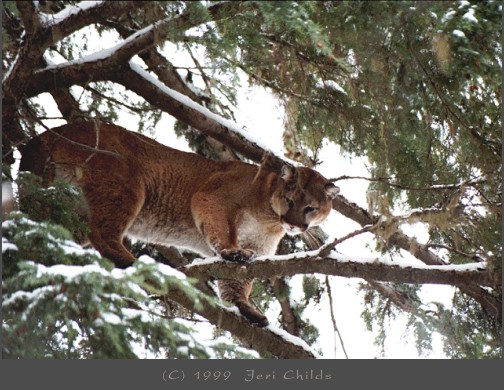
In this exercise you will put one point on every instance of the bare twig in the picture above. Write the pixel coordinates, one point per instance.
(473, 256)
(83, 146)
(327, 248)
(333, 318)
(437, 187)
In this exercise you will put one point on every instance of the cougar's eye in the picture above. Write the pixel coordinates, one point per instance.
(309, 209)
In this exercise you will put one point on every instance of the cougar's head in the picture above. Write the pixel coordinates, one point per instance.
(302, 199)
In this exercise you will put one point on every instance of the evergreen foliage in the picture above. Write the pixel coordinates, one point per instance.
(63, 301)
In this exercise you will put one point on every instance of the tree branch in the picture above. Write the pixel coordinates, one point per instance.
(29, 17)
(436, 187)
(401, 300)
(289, 320)
(194, 115)
(264, 340)
(339, 265)
(473, 256)
(399, 240)
(37, 38)
(80, 15)
(158, 64)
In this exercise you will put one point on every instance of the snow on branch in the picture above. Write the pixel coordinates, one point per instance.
(187, 102)
(379, 269)
(49, 20)
(268, 340)
(181, 107)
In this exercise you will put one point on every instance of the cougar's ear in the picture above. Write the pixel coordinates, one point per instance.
(331, 190)
(287, 173)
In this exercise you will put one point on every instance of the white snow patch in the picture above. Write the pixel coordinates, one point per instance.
(292, 339)
(48, 20)
(448, 16)
(71, 248)
(331, 84)
(231, 309)
(464, 3)
(469, 15)
(163, 268)
(137, 289)
(70, 271)
(459, 33)
(205, 261)
(32, 296)
(410, 264)
(8, 246)
(292, 256)
(134, 313)
(12, 223)
(101, 54)
(9, 71)
(111, 318)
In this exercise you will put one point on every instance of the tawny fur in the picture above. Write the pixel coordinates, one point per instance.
(161, 195)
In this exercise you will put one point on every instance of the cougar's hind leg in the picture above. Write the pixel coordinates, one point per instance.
(237, 292)
(109, 219)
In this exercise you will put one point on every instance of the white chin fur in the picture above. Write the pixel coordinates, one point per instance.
(291, 230)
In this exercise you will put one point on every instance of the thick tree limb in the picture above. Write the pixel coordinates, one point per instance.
(195, 118)
(264, 340)
(167, 74)
(37, 38)
(159, 65)
(107, 69)
(310, 263)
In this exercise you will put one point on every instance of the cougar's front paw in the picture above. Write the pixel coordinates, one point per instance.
(237, 255)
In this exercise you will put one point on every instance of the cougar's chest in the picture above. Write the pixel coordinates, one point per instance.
(258, 232)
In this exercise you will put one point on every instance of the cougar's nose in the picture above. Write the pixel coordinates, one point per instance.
(292, 228)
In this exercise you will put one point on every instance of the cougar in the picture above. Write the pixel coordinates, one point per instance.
(137, 187)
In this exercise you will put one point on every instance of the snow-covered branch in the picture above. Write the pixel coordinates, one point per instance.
(268, 340)
(104, 66)
(379, 269)
(37, 38)
(49, 20)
